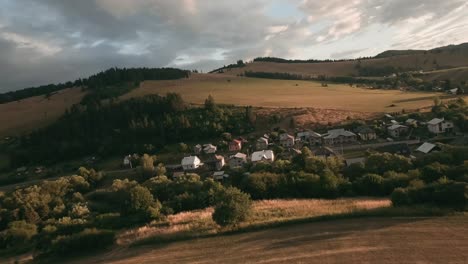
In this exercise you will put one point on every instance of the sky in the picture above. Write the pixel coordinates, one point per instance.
(51, 41)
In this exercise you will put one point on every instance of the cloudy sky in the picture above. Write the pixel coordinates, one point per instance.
(44, 41)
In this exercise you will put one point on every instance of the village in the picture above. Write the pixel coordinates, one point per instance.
(408, 137)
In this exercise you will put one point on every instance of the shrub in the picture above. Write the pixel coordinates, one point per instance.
(433, 172)
(19, 233)
(232, 207)
(370, 184)
(89, 240)
(400, 197)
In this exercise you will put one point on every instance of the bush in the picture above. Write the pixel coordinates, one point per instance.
(232, 207)
(400, 197)
(370, 184)
(89, 240)
(19, 233)
(449, 194)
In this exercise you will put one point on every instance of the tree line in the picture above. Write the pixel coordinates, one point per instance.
(281, 60)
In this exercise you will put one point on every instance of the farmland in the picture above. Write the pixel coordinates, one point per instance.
(335, 102)
(370, 240)
(287, 94)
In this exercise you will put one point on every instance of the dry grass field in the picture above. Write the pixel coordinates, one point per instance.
(286, 94)
(196, 223)
(34, 112)
(368, 240)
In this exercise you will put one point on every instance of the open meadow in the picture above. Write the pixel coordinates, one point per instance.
(286, 93)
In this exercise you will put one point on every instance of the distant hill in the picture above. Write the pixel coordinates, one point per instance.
(385, 63)
(392, 53)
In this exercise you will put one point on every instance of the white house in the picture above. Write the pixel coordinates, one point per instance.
(438, 126)
(397, 130)
(263, 156)
(191, 163)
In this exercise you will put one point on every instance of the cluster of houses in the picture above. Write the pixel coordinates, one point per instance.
(435, 126)
(206, 158)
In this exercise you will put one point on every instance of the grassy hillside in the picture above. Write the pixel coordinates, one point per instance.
(34, 112)
(282, 93)
(441, 58)
(356, 241)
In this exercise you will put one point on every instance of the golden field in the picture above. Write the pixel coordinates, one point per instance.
(286, 94)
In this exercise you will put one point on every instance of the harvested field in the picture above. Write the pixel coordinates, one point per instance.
(370, 240)
(286, 94)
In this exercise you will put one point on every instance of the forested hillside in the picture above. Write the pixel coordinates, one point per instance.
(135, 125)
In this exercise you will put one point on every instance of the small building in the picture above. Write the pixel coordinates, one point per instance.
(286, 140)
(324, 152)
(289, 153)
(439, 126)
(427, 147)
(352, 161)
(400, 149)
(238, 160)
(339, 136)
(235, 145)
(215, 162)
(453, 91)
(191, 163)
(127, 162)
(219, 175)
(310, 136)
(262, 143)
(411, 122)
(397, 130)
(366, 133)
(177, 174)
(197, 149)
(263, 156)
(209, 149)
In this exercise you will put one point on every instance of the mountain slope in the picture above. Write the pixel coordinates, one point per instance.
(436, 59)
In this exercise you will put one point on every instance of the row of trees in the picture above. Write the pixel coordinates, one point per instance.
(280, 60)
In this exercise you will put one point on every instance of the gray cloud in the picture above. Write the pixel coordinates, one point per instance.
(44, 41)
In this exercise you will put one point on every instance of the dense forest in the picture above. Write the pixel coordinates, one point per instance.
(99, 83)
(136, 125)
